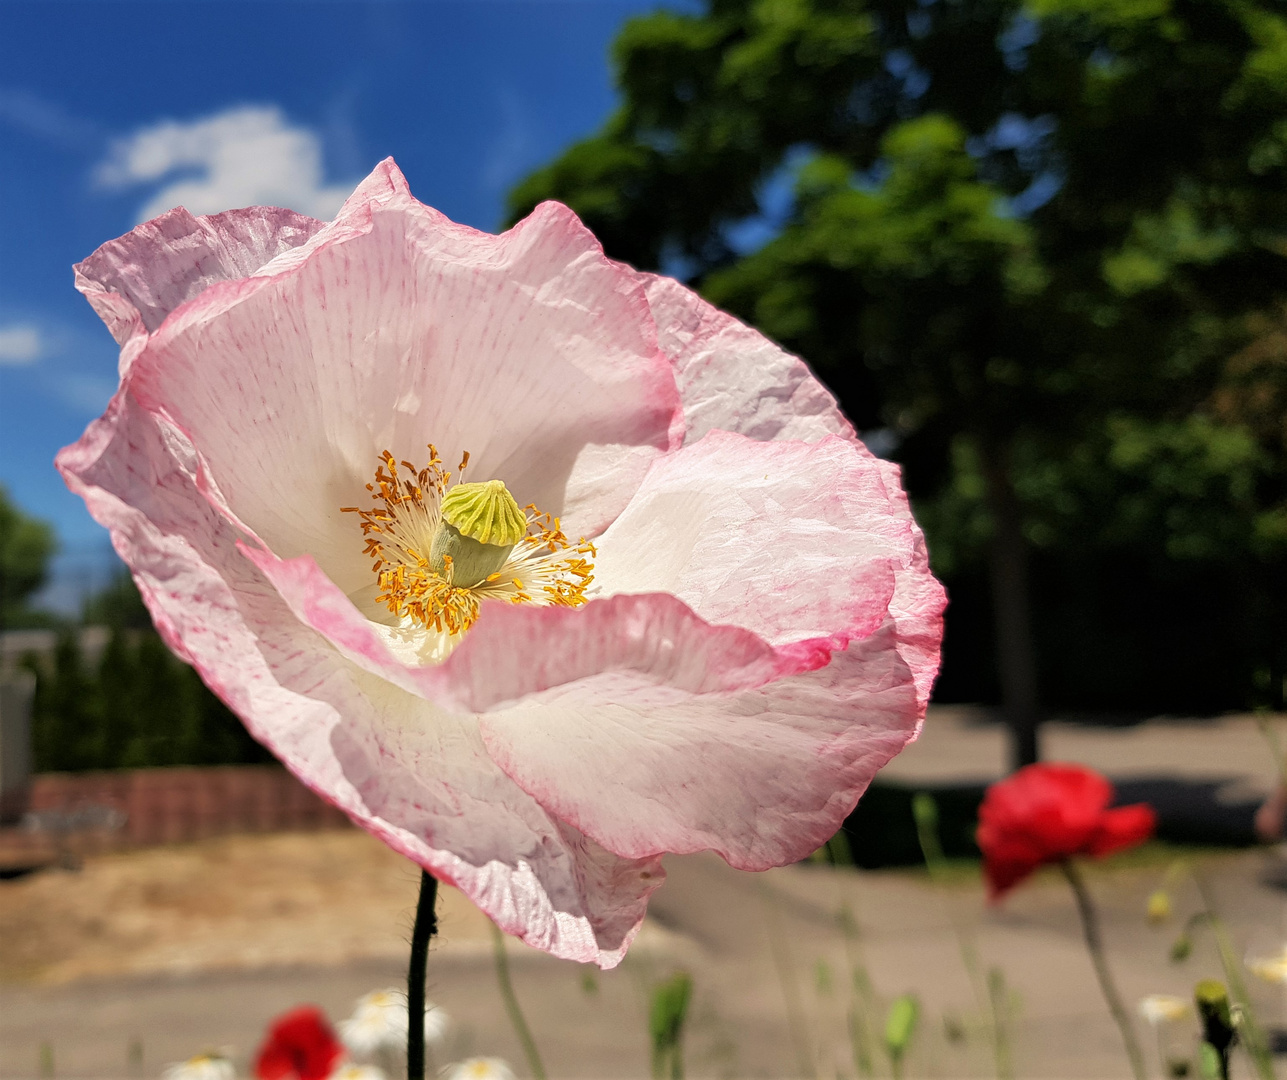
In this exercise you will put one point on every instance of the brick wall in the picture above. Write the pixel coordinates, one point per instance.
(83, 813)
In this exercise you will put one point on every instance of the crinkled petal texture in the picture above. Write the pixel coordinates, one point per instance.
(1047, 812)
(765, 629)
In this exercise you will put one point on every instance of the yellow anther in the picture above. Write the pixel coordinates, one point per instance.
(477, 539)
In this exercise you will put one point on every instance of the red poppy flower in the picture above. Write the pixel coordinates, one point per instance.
(301, 1046)
(1045, 813)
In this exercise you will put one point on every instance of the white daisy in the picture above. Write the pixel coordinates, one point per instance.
(379, 1022)
(357, 1072)
(1270, 968)
(1163, 1008)
(478, 1068)
(208, 1066)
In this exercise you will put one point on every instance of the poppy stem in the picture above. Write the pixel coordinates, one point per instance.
(1095, 946)
(425, 927)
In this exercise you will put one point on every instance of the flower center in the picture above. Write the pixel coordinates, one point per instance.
(438, 549)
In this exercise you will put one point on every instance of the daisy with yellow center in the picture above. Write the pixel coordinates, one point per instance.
(1163, 1009)
(1272, 969)
(379, 1023)
(207, 1066)
(479, 1068)
(439, 549)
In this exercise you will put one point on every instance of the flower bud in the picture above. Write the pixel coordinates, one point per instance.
(480, 525)
(1159, 907)
(900, 1025)
(1218, 1030)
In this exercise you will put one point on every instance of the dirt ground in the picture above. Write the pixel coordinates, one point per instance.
(143, 958)
(232, 903)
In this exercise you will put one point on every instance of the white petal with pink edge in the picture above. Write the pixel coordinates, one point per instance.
(765, 629)
(359, 342)
(408, 773)
(788, 537)
(763, 776)
(733, 378)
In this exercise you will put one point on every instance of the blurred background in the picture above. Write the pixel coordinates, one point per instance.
(1037, 248)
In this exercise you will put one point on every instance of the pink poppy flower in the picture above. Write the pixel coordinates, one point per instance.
(694, 613)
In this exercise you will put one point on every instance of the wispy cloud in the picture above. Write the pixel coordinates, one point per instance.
(513, 147)
(246, 156)
(47, 120)
(21, 344)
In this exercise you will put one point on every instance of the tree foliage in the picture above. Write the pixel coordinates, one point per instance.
(135, 705)
(26, 545)
(1039, 246)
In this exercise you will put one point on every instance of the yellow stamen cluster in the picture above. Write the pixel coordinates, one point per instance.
(544, 567)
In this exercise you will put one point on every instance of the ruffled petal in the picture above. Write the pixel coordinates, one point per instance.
(402, 769)
(135, 281)
(919, 599)
(733, 378)
(802, 541)
(737, 562)
(393, 328)
(517, 650)
(762, 777)
(793, 540)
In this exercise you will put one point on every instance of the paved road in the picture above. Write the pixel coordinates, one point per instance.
(722, 926)
(761, 948)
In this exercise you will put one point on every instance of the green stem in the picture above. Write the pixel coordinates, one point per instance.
(989, 993)
(861, 990)
(999, 1000)
(1095, 946)
(1252, 1037)
(426, 926)
(790, 988)
(521, 1029)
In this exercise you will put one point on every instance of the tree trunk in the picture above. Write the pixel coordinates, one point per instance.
(1016, 659)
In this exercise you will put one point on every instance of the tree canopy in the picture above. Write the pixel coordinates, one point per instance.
(1039, 247)
(26, 545)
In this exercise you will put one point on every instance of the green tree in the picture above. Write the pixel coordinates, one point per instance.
(117, 605)
(136, 706)
(66, 713)
(1018, 237)
(26, 545)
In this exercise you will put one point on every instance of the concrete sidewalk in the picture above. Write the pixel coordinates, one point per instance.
(968, 744)
(726, 928)
(200, 945)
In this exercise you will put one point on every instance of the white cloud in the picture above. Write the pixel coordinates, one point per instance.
(247, 156)
(512, 152)
(46, 120)
(21, 343)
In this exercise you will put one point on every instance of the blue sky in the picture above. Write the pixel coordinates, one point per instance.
(113, 110)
